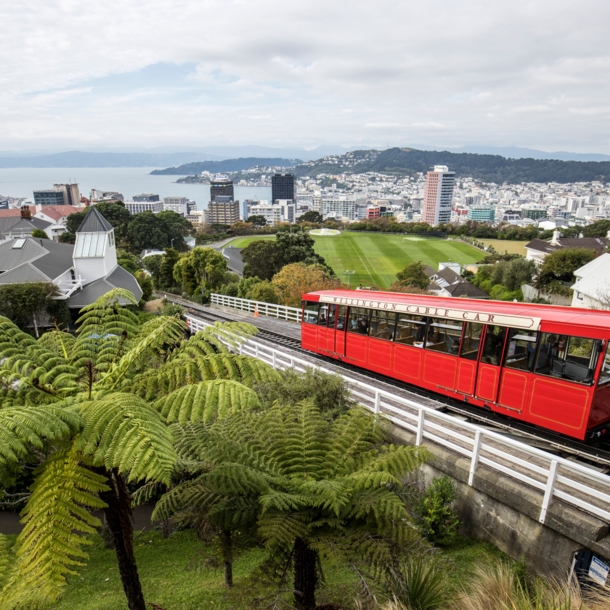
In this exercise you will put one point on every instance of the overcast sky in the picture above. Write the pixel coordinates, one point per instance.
(304, 73)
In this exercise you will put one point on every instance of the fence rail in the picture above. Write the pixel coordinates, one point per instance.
(553, 477)
(292, 314)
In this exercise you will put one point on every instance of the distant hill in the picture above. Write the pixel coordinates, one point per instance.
(228, 165)
(489, 168)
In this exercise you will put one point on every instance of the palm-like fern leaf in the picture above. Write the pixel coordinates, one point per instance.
(122, 431)
(55, 519)
(206, 401)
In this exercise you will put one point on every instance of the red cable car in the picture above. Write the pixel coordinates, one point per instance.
(542, 364)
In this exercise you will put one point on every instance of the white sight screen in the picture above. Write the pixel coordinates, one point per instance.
(89, 245)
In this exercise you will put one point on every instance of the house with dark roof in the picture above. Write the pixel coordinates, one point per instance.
(82, 272)
(18, 226)
(539, 249)
(447, 283)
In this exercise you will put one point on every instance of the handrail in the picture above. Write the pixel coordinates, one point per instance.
(283, 312)
(552, 476)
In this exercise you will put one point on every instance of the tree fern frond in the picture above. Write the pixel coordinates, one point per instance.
(59, 342)
(206, 401)
(122, 431)
(56, 520)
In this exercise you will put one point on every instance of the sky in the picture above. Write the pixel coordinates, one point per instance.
(113, 73)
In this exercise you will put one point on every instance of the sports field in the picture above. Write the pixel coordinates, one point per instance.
(377, 258)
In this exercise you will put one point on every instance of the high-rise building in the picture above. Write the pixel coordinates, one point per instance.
(221, 186)
(49, 197)
(176, 204)
(282, 187)
(338, 207)
(71, 194)
(438, 195)
(223, 210)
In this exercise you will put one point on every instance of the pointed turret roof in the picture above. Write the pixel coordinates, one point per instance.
(94, 222)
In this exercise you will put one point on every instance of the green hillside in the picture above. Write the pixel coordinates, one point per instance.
(489, 168)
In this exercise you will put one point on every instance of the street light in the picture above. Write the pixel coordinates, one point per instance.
(349, 274)
(171, 243)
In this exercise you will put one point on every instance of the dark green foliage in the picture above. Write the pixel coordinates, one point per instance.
(326, 391)
(264, 291)
(146, 231)
(113, 211)
(177, 228)
(435, 517)
(166, 270)
(261, 259)
(39, 234)
(312, 217)
(419, 583)
(257, 221)
(152, 264)
(513, 274)
(597, 229)
(146, 284)
(25, 304)
(414, 275)
(559, 266)
(129, 262)
(489, 168)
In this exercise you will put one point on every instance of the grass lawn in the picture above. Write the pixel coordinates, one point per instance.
(242, 242)
(504, 245)
(377, 258)
(175, 577)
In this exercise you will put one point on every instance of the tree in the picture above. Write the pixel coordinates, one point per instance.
(129, 262)
(24, 304)
(260, 258)
(146, 284)
(90, 414)
(297, 247)
(146, 231)
(166, 270)
(317, 485)
(597, 229)
(245, 285)
(209, 265)
(312, 217)
(296, 279)
(40, 234)
(257, 221)
(263, 291)
(414, 275)
(152, 264)
(559, 266)
(177, 227)
(512, 274)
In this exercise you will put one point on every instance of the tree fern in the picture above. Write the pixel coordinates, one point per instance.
(57, 520)
(124, 432)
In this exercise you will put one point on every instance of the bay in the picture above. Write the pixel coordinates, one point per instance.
(130, 181)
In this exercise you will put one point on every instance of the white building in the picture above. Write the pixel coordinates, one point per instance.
(137, 207)
(271, 213)
(592, 287)
(176, 204)
(339, 208)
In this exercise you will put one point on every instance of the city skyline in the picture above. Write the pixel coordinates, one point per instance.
(140, 74)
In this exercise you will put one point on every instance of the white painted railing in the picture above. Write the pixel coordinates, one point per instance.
(552, 476)
(264, 309)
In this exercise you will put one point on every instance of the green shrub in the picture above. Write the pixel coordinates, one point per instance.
(434, 515)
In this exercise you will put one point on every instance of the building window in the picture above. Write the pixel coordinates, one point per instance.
(89, 245)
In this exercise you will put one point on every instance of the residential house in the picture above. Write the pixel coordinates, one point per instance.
(539, 249)
(447, 283)
(592, 286)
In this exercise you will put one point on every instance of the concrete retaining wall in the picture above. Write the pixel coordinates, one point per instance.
(505, 513)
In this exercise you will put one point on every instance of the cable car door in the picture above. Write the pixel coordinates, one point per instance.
(340, 327)
(488, 374)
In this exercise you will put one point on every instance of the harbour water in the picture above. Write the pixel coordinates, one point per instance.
(130, 181)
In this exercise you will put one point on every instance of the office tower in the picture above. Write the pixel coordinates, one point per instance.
(175, 204)
(49, 197)
(282, 187)
(339, 207)
(222, 211)
(438, 195)
(71, 194)
(221, 186)
(149, 197)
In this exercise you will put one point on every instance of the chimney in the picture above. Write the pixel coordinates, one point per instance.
(26, 212)
(556, 236)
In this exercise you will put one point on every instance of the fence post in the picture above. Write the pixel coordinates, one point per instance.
(377, 401)
(274, 364)
(420, 428)
(548, 492)
(256, 350)
(476, 448)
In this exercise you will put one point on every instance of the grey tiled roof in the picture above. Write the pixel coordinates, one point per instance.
(119, 278)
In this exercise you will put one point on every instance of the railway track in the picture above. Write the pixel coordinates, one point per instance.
(599, 457)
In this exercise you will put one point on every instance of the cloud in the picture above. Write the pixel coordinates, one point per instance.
(511, 72)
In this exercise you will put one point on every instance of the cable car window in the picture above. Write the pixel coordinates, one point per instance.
(521, 350)
(382, 325)
(471, 340)
(310, 312)
(340, 311)
(444, 336)
(409, 329)
(604, 376)
(567, 357)
(493, 345)
(324, 314)
(358, 320)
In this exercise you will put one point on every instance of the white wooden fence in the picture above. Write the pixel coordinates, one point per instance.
(264, 309)
(554, 477)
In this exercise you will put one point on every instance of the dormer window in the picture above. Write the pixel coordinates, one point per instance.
(89, 245)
